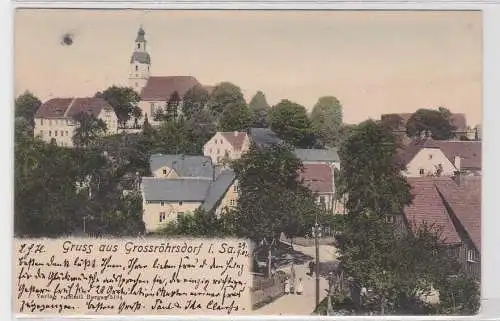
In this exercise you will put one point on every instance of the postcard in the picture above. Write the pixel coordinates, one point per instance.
(247, 162)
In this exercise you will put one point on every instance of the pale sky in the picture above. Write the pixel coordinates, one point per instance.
(373, 62)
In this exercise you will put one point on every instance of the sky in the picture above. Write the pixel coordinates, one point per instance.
(374, 62)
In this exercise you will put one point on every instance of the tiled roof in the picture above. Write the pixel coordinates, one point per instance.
(317, 155)
(264, 137)
(161, 88)
(175, 190)
(428, 207)
(457, 120)
(70, 107)
(464, 200)
(218, 189)
(141, 57)
(318, 177)
(236, 139)
(184, 165)
(468, 151)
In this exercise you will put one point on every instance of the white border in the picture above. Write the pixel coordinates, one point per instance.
(490, 285)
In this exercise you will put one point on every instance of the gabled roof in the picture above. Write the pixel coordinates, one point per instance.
(428, 207)
(464, 199)
(457, 120)
(184, 165)
(175, 190)
(317, 155)
(218, 189)
(70, 107)
(264, 137)
(161, 88)
(317, 177)
(236, 139)
(468, 151)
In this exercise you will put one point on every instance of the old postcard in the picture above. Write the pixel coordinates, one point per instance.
(247, 162)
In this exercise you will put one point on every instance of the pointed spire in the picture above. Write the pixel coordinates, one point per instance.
(140, 35)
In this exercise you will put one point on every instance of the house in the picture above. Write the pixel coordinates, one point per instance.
(222, 194)
(424, 157)
(451, 206)
(181, 166)
(156, 92)
(264, 137)
(319, 173)
(55, 119)
(226, 146)
(457, 120)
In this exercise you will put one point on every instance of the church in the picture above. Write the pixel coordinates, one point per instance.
(156, 91)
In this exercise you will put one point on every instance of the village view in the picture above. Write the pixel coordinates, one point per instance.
(382, 217)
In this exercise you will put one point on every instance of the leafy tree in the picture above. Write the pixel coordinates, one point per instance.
(291, 123)
(326, 119)
(197, 224)
(194, 101)
(259, 108)
(225, 95)
(393, 121)
(124, 101)
(370, 175)
(436, 122)
(147, 129)
(173, 104)
(235, 118)
(272, 198)
(89, 129)
(458, 295)
(26, 106)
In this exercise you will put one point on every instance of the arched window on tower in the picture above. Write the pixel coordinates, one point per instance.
(139, 46)
(136, 68)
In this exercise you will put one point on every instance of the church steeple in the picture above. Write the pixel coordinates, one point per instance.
(140, 62)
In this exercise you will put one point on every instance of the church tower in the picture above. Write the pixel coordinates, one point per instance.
(140, 63)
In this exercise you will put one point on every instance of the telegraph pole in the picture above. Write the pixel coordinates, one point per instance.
(316, 244)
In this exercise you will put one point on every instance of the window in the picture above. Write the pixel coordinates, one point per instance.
(136, 68)
(472, 256)
(390, 219)
(430, 156)
(162, 203)
(162, 216)
(138, 46)
(232, 202)
(152, 107)
(50, 133)
(322, 201)
(180, 203)
(41, 121)
(421, 172)
(235, 188)
(164, 172)
(55, 132)
(452, 251)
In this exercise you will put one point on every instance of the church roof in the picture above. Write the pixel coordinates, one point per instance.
(161, 88)
(141, 57)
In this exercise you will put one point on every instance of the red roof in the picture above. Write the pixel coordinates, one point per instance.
(464, 200)
(432, 195)
(318, 177)
(457, 120)
(428, 207)
(236, 139)
(468, 151)
(161, 88)
(70, 107)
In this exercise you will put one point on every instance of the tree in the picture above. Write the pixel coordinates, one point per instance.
(198, 224)
(173, 104)
(459, 295)
(272, 199)
(290, 122)
(194, 101)
(393, 121)
(259, 108)
(89, 129)
(124, 101)
(26, 106)
(326, 119)
(225, 95)
(370, 175)
(436, 122)
(235, 118)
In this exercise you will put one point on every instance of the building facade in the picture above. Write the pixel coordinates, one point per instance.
(224, 146)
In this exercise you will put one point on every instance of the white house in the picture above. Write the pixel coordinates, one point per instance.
(226, 145)
(55, 119)
(428, 157)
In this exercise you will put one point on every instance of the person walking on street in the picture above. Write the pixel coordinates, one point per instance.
(300, 287)
(293, 279)
(311, 268)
